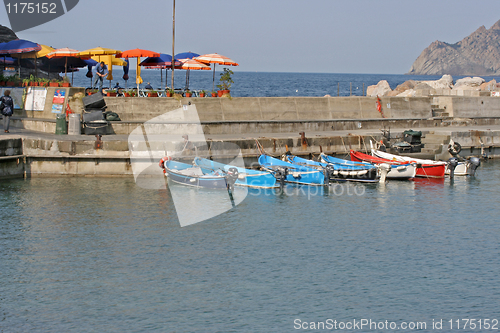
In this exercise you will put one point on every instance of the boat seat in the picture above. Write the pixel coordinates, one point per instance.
(194, 171)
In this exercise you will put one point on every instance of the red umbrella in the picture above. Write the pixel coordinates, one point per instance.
(214, 58)
(137, 53)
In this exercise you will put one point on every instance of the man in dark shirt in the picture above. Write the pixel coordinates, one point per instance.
(101, 73)
(148, 86)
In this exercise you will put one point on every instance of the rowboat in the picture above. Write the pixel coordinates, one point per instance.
(341, 170)
(425, 168)
(246, 177)
(291, 173)
(399, 170)
(187, 174)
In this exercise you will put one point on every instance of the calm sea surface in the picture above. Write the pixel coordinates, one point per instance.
(105, 255)
(265, 84)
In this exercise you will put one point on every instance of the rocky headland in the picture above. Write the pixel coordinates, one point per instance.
(475, 55)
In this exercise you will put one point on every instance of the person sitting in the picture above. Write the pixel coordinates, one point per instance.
(119, 93)
(148, 86)
(117, 86)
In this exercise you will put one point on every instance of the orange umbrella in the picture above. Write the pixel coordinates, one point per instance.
(137, 53)
(214, 58)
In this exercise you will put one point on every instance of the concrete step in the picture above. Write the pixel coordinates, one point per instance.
(429, 150)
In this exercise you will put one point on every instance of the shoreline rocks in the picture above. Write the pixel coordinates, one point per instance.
(444, 85)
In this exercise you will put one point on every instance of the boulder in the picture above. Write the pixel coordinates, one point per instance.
(381, 89)
(469, 83)
(445, 82)
(489, 86)
(407, 85)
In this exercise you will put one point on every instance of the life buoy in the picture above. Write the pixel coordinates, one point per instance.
(454, 148)
(163, 160)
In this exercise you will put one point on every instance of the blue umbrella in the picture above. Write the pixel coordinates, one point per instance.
(90, 63)
(186, 55)
(125, 71)
(18, 46)
(163, 61)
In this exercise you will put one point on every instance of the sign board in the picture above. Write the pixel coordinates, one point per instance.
(57, 108)
(35, 99)
(59, 96)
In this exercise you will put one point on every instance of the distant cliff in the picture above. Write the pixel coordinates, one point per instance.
(6, 35)
(477, 54)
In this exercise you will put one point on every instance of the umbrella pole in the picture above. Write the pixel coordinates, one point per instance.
(161, 76)
(213, 83)
(36, 70)
(66, 68)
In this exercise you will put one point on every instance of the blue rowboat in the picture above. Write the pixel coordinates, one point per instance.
(292, 173)
(187, 174)
(340, 170)
(246, 177)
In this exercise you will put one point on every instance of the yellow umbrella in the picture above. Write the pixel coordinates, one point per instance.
(114, 61)
(97, 51)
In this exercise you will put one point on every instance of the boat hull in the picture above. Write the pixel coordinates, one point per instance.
(425, 168)
(246, 177)
(186, 174)
(343, 170)
(398, 170)
(296, 174)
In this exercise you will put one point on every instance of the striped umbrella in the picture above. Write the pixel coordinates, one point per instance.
(214, 58)
(191, 64)
(63, 53)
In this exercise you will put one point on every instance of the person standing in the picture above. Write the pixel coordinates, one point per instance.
(101, 72)
(7, 109)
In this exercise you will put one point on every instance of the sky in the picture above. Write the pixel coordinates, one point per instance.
(314, 36)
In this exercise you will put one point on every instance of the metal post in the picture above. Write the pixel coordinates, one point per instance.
(363, 92)
(173, 45)
(338, 89)
(351, 89)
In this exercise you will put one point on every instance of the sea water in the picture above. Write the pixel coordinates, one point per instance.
(105, 255)
(262, 84)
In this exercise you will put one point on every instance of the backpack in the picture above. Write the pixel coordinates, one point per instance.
(7, 111)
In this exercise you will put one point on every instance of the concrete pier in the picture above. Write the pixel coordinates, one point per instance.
(333, 125)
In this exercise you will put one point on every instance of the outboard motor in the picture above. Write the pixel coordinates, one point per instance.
(280, 175)
(474, 163)
(452, 164)
(384, 169)
(454, 148)
(231, 178)
(328, 174)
